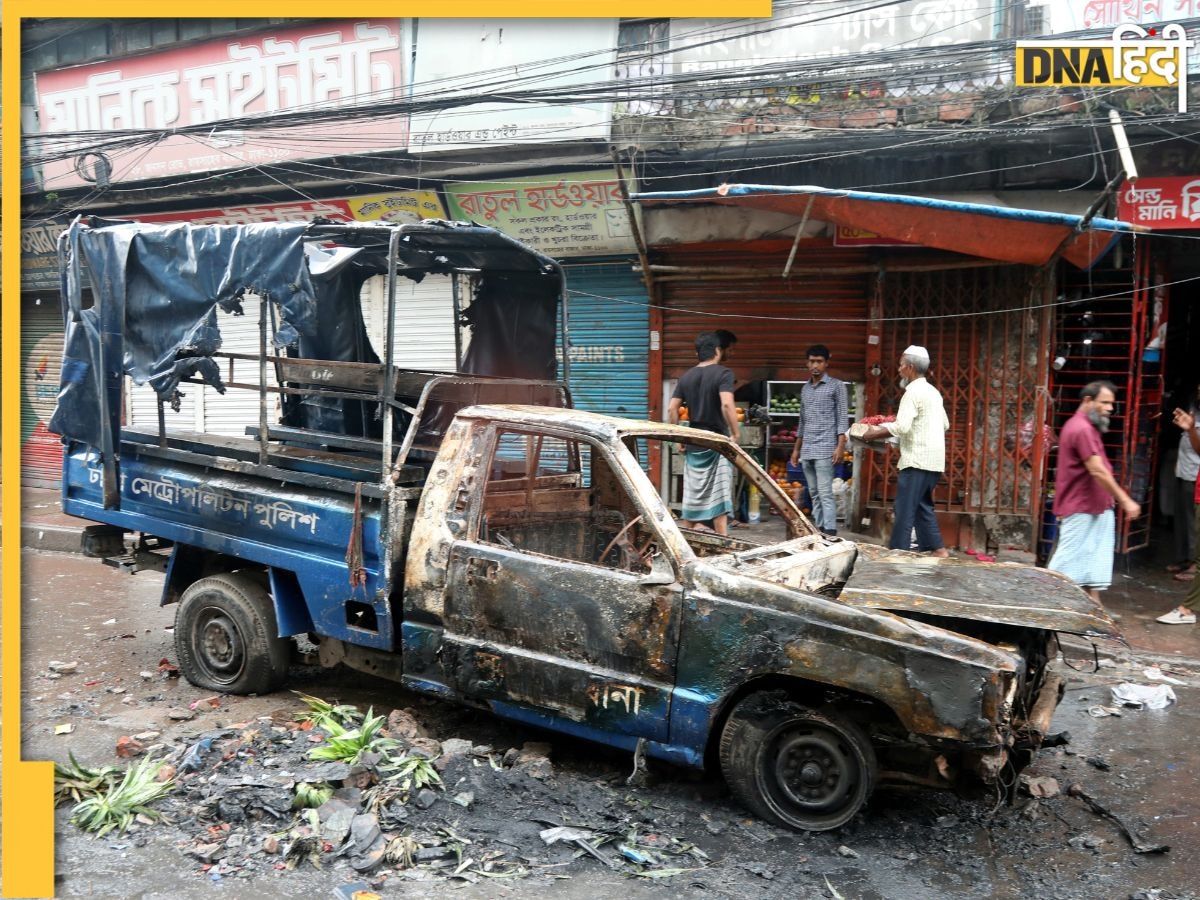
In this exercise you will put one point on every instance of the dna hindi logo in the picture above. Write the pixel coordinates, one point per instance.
(1132, 57)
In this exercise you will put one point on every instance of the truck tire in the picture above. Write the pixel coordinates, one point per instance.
(791, 765)
(226, 637)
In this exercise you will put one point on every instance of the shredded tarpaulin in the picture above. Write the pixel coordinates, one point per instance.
(1147, 696)
(155, 292)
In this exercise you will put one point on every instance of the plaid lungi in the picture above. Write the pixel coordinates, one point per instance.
(707, 485)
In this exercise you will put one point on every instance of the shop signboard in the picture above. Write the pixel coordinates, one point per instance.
(1161, 203)
(803, 29)
(390, 206)
(39, 243)
(312, 67)
(571, 215)
(532, 57)
(39, 254)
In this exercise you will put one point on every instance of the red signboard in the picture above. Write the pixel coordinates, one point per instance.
(394, 206)
(310, 67)
(301, 211)
(1161, 203)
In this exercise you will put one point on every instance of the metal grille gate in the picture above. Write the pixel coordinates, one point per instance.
(987, 330)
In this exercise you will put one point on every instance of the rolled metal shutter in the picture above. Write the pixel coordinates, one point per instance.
(775, 319)
(609, 316)
(230, 414)
(424, 331)
(41, 362)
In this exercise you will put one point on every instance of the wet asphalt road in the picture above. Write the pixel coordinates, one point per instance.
(909, 845)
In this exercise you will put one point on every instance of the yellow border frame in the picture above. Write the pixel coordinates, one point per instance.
(26, 805)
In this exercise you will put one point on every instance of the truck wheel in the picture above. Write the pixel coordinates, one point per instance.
(225, 636)
(794, 766)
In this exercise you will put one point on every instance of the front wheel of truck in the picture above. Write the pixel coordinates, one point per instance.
(794, 766)
(226, 637)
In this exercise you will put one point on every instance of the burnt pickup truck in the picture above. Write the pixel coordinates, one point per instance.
(469, 535)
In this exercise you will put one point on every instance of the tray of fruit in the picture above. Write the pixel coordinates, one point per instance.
(785, 404)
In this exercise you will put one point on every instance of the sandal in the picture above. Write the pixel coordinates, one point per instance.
(1185, 576)
(1179, 566)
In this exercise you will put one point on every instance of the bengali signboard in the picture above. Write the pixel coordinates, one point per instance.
(1065, 16)
(1161, 203)
(824, 29)
(467, 56)
(578, 214)
(1078, 15)
(393, 206)
(39, 253)
(310, 67)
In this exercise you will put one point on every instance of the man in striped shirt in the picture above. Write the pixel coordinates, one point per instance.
(921, 426)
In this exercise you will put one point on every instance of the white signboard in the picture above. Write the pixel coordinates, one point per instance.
(824, 29)
(1066, 16)
(461, 57)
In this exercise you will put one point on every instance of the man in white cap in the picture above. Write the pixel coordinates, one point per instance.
(921, 426)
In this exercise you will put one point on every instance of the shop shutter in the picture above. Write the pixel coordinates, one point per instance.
(41, 362)
(609, 322)
(231, 413)
(424, 321)
(202, 408)
(775, 319)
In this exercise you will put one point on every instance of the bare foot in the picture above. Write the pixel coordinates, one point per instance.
(940, 553)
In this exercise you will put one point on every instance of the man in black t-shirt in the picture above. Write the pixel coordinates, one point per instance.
(707, 391)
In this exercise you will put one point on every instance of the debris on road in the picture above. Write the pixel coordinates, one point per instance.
(1155, 673)
(1040, 786)
(128, 746)
(110, 797)
(1148, 696)
(65, 728)
(62, 668)
(1138, 844)
(262, 796)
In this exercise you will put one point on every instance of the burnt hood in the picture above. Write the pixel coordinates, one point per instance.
(1005, 593)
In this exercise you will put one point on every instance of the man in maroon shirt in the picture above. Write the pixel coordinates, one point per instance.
(1084, 490)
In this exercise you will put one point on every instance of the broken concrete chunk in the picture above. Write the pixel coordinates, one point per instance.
(62, 668)
(456, 747)
(1043, 786)
(425, 798)
(179, 714)
(426, 747)
(208, 853)
(845, 851)
(402, 724)
(127, 747)
(336, 818)
(464, 799)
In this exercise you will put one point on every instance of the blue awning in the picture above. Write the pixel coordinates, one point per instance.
(1001, 233)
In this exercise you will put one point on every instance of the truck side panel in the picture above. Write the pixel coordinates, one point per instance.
(304, 532)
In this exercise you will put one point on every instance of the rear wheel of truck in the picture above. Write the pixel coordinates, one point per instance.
(791, 765)
(226, 637)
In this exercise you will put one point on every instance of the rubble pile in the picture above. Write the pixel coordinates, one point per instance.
(258, 797)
